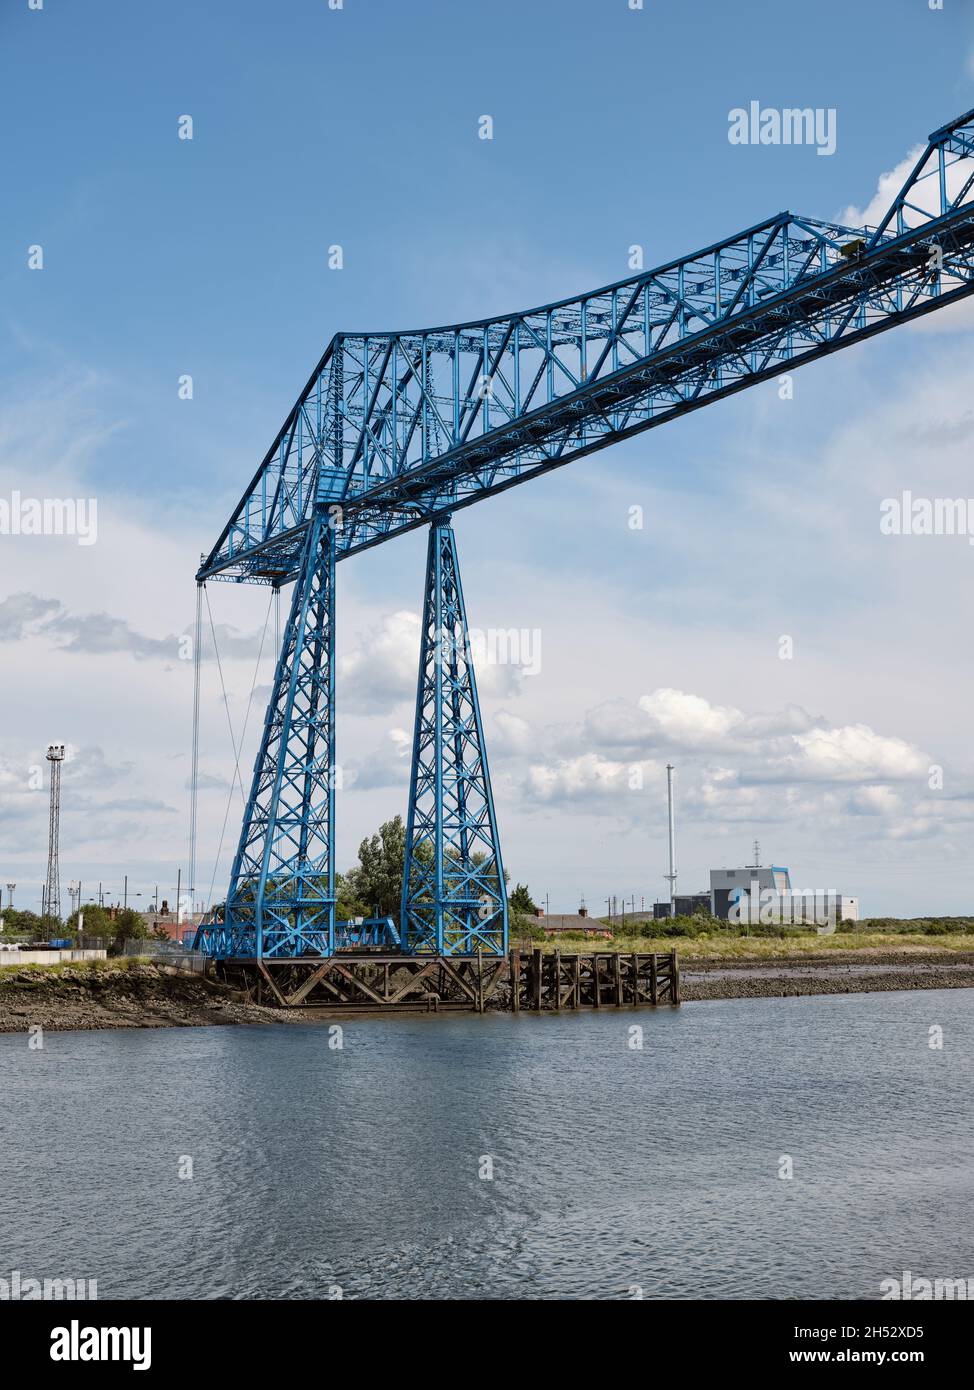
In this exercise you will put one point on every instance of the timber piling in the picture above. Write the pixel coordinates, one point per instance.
(533, 981)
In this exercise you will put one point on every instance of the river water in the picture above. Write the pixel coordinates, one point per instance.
(615, 1169)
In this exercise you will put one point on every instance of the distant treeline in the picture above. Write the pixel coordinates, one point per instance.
(701, 925)
(924, 926)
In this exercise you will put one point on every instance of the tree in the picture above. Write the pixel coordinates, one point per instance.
(375, 883)
(129, 926)
(521, 901)
(96, 921)
(22, 922)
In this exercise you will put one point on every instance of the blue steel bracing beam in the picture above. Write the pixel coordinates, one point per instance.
(394, 429)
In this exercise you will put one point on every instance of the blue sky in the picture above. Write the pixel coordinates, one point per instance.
(209, 257)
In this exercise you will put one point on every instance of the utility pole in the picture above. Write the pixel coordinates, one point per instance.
(125, 899)
(671, 876)
(52, 901)
(179, 888)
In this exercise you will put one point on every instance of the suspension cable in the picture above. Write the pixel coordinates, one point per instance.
(195, 763)
(243, 733)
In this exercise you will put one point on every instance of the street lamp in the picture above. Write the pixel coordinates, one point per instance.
(10, 896)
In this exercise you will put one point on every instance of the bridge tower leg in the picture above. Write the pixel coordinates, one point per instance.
(454, 900)
(281, 900)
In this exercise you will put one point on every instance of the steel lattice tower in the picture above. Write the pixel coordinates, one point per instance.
(52, 892)
(282, 887)
(454, 901)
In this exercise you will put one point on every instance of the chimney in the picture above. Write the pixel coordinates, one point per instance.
(583, 911)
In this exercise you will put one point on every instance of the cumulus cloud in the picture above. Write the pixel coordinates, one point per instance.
(854, 753)
(576, 779)
(379, 672)
(886, 190)
(777, 766)
(688, 721)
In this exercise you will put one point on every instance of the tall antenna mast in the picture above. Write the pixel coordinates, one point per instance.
(671, 876)
(52, 895)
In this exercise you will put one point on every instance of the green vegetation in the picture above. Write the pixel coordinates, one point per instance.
(98, 925)
(520, 900)
(59, 967)
(373, 888)
(924, 926)
(771, 943)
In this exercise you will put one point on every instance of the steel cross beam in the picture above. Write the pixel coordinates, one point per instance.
(394, 429)
(454, 899)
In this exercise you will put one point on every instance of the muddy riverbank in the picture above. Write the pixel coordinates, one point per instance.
(852, 973)
(133, 994)
(128, 995)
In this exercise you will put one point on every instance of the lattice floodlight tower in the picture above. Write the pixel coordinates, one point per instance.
(398, 430)
(52, 886)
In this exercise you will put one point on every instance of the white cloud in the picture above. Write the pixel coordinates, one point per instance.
(380, 671)
(576, 779)
(688, 721)
(887, 188)
(854, 753)
(511, 734)
(386, 766)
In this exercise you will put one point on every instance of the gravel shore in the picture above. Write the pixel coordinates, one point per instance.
(857, 972)
(135, 995)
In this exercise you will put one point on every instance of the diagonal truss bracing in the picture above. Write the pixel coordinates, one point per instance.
(393, 429)
(454, 901)
(281, 900)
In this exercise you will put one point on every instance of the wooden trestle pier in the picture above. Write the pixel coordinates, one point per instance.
(534, 981)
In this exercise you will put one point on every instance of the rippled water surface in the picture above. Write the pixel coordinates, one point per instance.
(613, 1167)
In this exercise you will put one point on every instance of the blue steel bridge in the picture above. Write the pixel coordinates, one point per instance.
(397, 430)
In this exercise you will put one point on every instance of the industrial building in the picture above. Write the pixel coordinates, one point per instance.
(684, 905)
(764, 892)
(761, 893)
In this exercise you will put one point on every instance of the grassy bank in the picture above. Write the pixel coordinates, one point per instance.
(796, 944)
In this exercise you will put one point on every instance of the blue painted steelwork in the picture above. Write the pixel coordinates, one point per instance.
(281, 900)
(454, 900)
(396, 430)
(222, 943)
(373, 931)
(393, 429)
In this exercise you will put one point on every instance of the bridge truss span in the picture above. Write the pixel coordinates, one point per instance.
(393, 429)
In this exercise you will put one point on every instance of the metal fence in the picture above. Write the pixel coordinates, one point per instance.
(146, 948)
